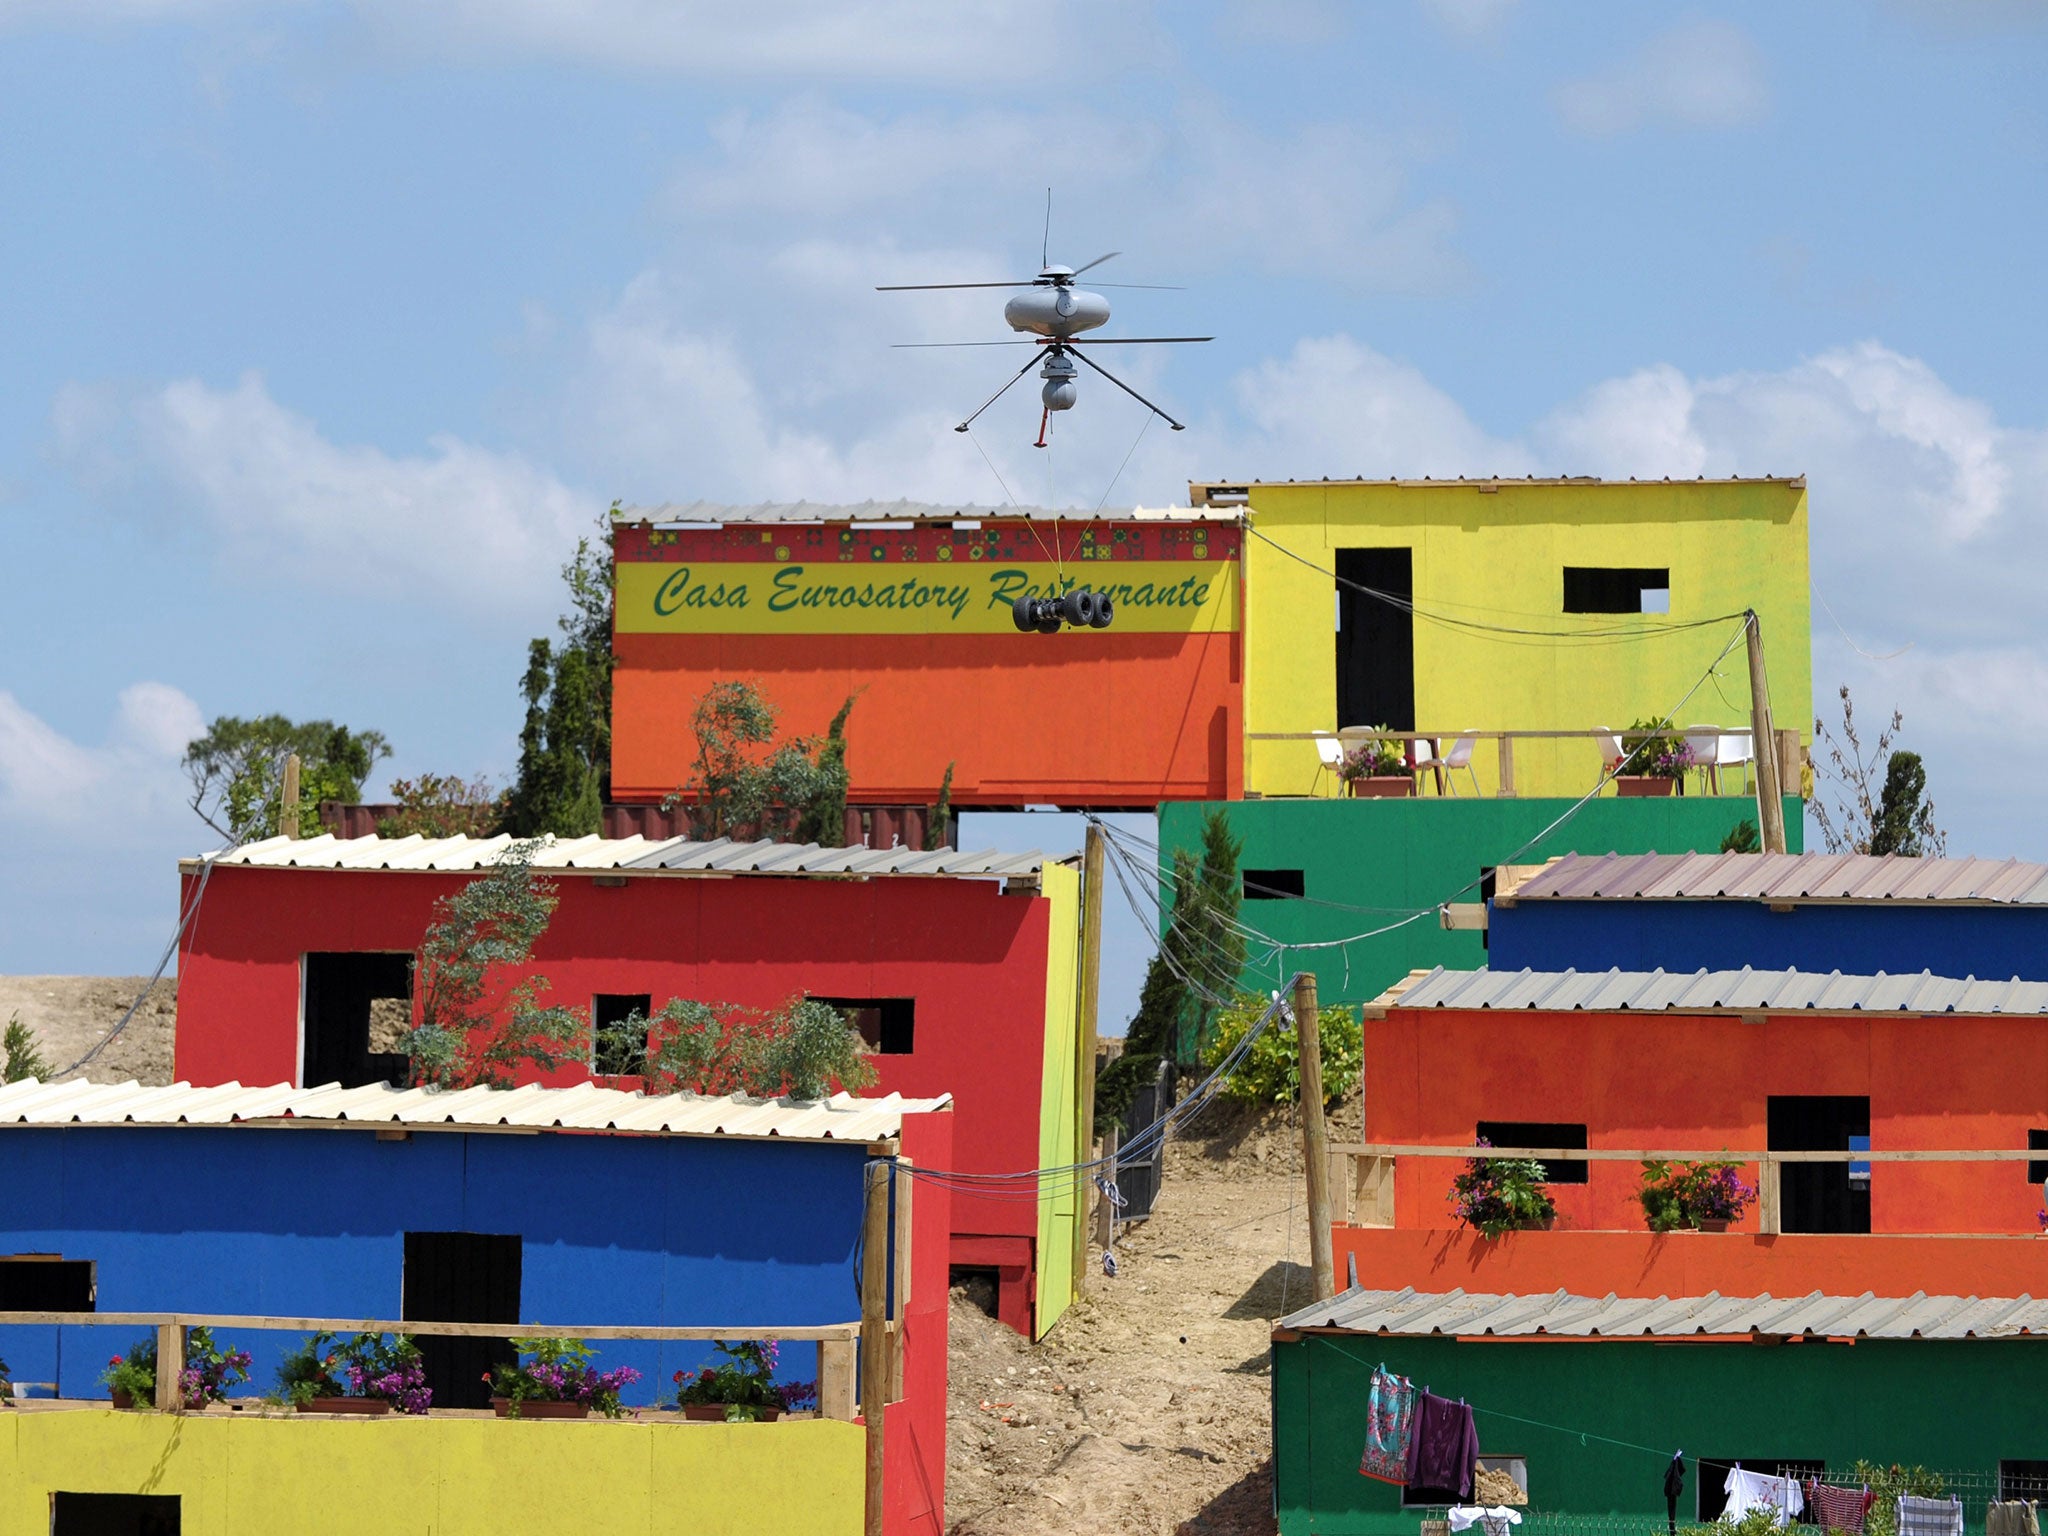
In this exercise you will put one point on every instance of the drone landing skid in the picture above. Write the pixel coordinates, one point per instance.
(1045, 417)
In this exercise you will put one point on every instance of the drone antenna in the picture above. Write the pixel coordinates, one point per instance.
(1045, 246)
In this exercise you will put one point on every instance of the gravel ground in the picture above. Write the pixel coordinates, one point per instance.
(71, 1014)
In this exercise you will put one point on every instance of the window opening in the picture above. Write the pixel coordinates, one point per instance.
(887, 1024)
(358, 1009)
(1541, 1133)
(462, 1277)
(114, 1514)
(1616, 589)
(46, 1282)
(2023, 1480)
(1275, 884)
(1376, 638)
(619, 1036)
(2037, 1168)
(1513, 1467)
(1820, 1197)
(1712, 1491)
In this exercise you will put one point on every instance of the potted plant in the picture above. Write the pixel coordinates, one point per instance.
(741, 1388)
(1376, 769)
(359, 1375)
(209, 1371)
(554, 1379)
(1503, 1194)
(1693, 1197)
(1651, 762)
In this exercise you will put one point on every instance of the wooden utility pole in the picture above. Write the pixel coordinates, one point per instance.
(1315, 1136)
(874, 1332)
(1763, 742)
(1093, 858)
(288, 801)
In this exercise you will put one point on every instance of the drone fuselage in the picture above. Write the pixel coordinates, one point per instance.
(1052, 309)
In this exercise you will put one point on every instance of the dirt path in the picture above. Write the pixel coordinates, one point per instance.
(1147, 1409)
(71, 1014)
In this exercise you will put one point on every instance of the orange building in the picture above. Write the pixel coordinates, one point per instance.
(1886, 1121)
(907, 609)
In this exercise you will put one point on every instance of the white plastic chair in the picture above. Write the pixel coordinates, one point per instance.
(1609, 744)
(1705, 742)
(1460, 756)
(1735, 749)
(1330, 751)
(1422, 759)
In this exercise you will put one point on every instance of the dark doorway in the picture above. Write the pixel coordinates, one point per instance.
(887, 1024)
(1376, 638)
(462, 1277)
(1819, 1197)
(2037, 1168)
(358, 1009)
(46, 1283)
(114, 1514)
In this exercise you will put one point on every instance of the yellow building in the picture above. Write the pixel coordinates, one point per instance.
(1624, 593)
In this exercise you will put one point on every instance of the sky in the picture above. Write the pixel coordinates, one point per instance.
(328, 327)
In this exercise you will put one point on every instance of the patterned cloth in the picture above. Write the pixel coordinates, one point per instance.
(1839, 1509)
(1389, 1427)
(1929, 1517)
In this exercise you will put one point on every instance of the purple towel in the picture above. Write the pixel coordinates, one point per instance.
(1445, 1448)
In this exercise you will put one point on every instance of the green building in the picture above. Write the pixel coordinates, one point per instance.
(1588, 1399)
(1351, 875)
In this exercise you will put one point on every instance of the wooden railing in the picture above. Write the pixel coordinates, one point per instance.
(1790, 753)
(1363, 1175)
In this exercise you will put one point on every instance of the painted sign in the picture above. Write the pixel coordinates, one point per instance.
(930, 580)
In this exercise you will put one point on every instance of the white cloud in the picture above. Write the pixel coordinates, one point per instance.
(1699, 74)
(48, 780)
(277, 497)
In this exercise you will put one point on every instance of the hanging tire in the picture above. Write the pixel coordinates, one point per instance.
(1105, 610)
(1023, 614)
(1078, 607)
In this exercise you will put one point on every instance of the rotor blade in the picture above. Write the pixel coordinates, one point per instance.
(1120, 384)
(901, 345)
(1128, 341)
(1098, 261)
(1158, 287)
(1029, 282)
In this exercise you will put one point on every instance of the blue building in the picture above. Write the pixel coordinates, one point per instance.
(1805, 911)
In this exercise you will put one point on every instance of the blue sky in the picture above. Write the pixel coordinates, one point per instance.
(327, 326)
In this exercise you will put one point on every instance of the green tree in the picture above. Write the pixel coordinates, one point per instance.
(1743, 837)
(480, 1020)
(237, 771)
(565, 745)
(1270, 1072)
(744, 785)
(21, 1054)
(1859, 813)
(800, 1049)
(1904, 823)
(442, 805)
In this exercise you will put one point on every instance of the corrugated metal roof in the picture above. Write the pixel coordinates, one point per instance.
(625, 855)
(905, 512)
(1918, 1316)
(585, 1108)
(1784, 877)
(1716, 991)
(1208, 492)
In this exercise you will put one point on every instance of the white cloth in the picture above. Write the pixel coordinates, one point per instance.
(1749, 1491)
(1463, 1517)
(1929, 1517)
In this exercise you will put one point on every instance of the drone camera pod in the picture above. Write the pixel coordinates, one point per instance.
(1079, 609)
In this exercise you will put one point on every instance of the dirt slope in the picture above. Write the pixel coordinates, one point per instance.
(70, 1014)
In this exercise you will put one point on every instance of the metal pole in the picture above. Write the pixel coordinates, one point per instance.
(1770, 798)
(874, 1333)
(1315, 1135)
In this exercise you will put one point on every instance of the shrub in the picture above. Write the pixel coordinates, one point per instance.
(559, 1371)
(1381, 756)
(1271, 1072)
(1646, 749)
(21, 1054)
(743, 1382)
(442, 805)
(1682, 1195)
(1501, 1194)
(800, 1049)
(364, 1366)
(209, 1370)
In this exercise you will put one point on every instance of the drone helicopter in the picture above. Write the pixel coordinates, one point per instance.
(1055, 313)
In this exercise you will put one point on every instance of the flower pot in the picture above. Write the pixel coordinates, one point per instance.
(1540, 1224)
(1382, 786)
(1628, 785)
(1714, 1224)
(346, 1405)
(715, 1413)
(121, 1399)
(535, 1408)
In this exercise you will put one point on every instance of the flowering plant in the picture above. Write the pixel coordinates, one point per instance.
(1647, 751)
(1501, 1194)
(364, 1366)
(1679, 1195)
(1376, 757)
(559, 1371)
(209, 1370)
(744, 1383)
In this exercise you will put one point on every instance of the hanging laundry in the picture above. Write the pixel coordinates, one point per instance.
(1494, 1520)
(2012, 1517)
(1445, 1447)
(1674, 1485)
(1929, 1517)
(1389, 1426)
(1751, 1491)
(1839, 1509)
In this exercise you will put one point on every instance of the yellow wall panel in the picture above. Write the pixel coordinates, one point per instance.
(1059, 1134)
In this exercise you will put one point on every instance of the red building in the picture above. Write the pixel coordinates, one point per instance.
(960, 969)
(1942, 1085)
